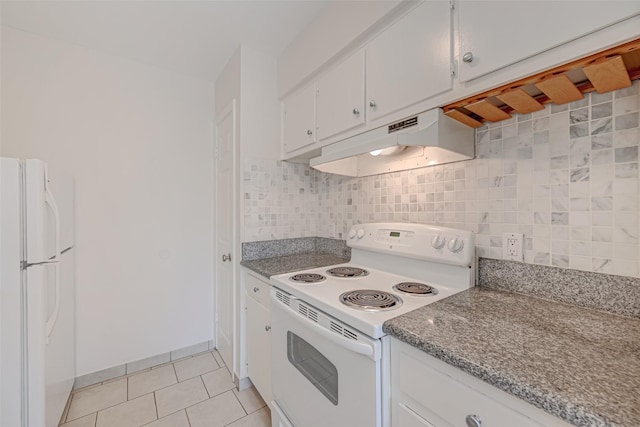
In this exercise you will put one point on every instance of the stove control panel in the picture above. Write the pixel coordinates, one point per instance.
(419, 241)
(394, 236)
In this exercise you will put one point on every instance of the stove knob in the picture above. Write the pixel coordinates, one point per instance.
(352, 233)
(455, 245)
(360, 233)
(438, 241)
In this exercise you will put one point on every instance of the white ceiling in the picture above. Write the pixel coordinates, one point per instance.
(191, 37)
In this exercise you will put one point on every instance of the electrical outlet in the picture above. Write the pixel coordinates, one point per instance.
(512, 246)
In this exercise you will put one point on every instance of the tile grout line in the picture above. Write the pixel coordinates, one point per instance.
(176, 383)
(155, 402)
(126, 377)
(154, 391)
(105, 408)
(69, 408)
(202, 401)
(205, 385)
(238, 399)
(246, 414)
(175, 373)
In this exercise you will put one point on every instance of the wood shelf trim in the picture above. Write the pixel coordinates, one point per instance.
(464, 118)
(631, 46)
(521, 101)
(608, 74)
(560, 89)
(608, 70)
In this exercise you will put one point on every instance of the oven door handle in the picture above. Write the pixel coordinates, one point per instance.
(347, 343)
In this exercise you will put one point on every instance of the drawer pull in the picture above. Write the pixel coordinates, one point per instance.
(267, 328)
(473, 421)
(256, 289)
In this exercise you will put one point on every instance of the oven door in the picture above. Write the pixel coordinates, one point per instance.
(320, 377)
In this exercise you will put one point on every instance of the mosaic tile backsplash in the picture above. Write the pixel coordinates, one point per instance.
(566, 177)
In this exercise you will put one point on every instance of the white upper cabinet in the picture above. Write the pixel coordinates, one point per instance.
(340, 101)
(410, 61)
(299, 120)
(495, 34)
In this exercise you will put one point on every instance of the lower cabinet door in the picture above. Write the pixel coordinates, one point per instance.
(259, 347)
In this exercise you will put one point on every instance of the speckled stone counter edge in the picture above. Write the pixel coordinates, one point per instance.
(274, 248)
(550, 403)
(606, 292)
(268, 267)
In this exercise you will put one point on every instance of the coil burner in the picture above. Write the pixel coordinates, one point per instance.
(307, 278)
(415, 288)
(347, 272)
(370, 300)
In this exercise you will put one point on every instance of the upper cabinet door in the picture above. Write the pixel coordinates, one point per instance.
(495, 34)
(410, 61)
(340, 102)
(299, 120)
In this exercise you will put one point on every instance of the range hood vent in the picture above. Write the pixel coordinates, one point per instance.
(428, 139)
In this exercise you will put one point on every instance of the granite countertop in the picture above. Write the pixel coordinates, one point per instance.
(268, 267)
(578, 364)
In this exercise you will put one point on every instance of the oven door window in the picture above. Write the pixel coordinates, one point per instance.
(314, 366)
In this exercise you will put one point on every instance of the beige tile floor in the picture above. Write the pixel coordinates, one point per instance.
(196, 391)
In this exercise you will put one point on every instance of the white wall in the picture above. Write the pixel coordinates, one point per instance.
(260, 124)
(138, 140)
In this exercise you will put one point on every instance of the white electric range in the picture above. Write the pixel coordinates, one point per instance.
(329, 353)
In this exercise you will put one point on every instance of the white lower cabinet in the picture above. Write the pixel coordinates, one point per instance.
(427, 392)
(259, 334)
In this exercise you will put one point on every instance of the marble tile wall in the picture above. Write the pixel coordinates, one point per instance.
(566, 177)
(278, 200)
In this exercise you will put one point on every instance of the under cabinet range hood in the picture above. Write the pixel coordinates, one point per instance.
(428, 139)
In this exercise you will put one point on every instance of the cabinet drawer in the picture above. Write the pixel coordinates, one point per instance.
(431, 397)
(257, 289)
(406, 417)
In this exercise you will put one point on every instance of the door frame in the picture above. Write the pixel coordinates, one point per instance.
(219, 118)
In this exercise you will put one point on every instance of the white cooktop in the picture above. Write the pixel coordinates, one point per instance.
(399, 253)
(325, 296)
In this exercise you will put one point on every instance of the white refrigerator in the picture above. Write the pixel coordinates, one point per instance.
(37, 296)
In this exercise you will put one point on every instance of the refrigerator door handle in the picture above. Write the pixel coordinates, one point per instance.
(51, 201)
(51, 321)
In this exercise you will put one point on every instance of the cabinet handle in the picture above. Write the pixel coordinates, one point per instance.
(373, 104)
(467, 57)
(267, 328)
(226, 257)
(256, 289)
(356, 112)
(309, 132)
(473, 421)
